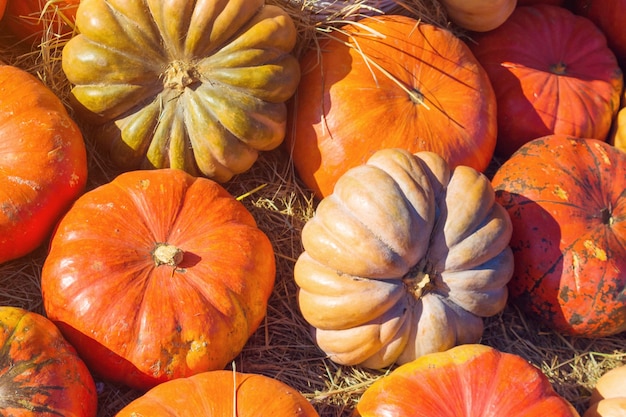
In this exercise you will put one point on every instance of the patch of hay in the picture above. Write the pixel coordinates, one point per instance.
(282, 347)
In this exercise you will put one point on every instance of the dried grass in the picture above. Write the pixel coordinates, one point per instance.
(282, 347)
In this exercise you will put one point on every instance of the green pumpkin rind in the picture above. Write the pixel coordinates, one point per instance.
(198, 86)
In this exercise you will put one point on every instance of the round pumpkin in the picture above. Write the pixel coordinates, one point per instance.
(617, 135)
(389, 82)
(464, 381)
(552, 72)
(479, 15)
(40, 21)
(157, 275)
(43, 162)
(404, 258)
(609, 17)
(566, 199)
(221, 393)
(608, 397)
(40, 372)
(199, 86)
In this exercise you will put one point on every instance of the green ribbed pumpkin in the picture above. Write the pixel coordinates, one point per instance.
(199, 86)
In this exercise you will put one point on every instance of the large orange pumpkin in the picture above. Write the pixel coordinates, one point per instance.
(404, 258)
(157, 275)
(566, 199)
(40, 373)
(221, 394)
(465, 381)
(389, 82)
(43, 162)
(195, 85)
(552, 72)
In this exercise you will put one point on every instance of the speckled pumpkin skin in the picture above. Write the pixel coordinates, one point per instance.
(566, 198)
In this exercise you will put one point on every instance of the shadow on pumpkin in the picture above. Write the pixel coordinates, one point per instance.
(535, 287)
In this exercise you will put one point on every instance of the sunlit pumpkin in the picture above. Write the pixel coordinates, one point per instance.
(157, 275)
(194, 85)
(43, 162)
(465, 381)
(479, 15)
(405, 257)
(608, 397)
(221, 393)
(389, 82)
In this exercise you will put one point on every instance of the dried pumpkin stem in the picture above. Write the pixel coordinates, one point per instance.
(166, 254)
(179, 75)
(418, 280)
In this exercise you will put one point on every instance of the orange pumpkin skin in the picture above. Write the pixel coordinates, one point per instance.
(552, 72)
(28, 20)
(157, 275)
(3, 5)
(565, 197)
(346, 108)
(40, 373)
(465, 381)
(211, 394)
(42, 159)
(479, 15)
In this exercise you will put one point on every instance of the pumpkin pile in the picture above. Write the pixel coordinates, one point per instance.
(311, 208)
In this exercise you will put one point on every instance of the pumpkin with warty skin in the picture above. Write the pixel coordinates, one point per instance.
(215, 393)
(199, 86)
(420, 88)
(404, 258)
(37, 21)
(464, 381)
(552, 72)
(608, 397)
(479, 15)
(157, 275)
(40, 373)
(566, 199)
(43, 162)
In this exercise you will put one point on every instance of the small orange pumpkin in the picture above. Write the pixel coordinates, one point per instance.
(608, 397)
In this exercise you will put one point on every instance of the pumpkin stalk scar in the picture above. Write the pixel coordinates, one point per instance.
(166, 254)
(418, 280)
(180, 75)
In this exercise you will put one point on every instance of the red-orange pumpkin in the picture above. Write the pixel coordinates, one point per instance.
(552, 72)
(157, 275)
(566, 199)
(221, 394)
(40, 372)
(609, 17)
(389, 82)
(465, 381)
(34, 21)
(43, 162)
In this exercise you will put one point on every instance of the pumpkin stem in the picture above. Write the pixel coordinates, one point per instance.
(418, 280)
(179, 75)
(166, 254)
(559, 68)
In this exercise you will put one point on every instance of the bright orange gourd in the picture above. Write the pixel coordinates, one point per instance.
(389, 82)
(157, 275)
(43, 162)
(479, 15)
(221, 394)
(465, 381)
(40, 372)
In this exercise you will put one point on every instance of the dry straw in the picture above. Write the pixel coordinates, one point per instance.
(282, 347)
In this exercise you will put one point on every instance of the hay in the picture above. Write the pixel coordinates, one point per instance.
(282, 347)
